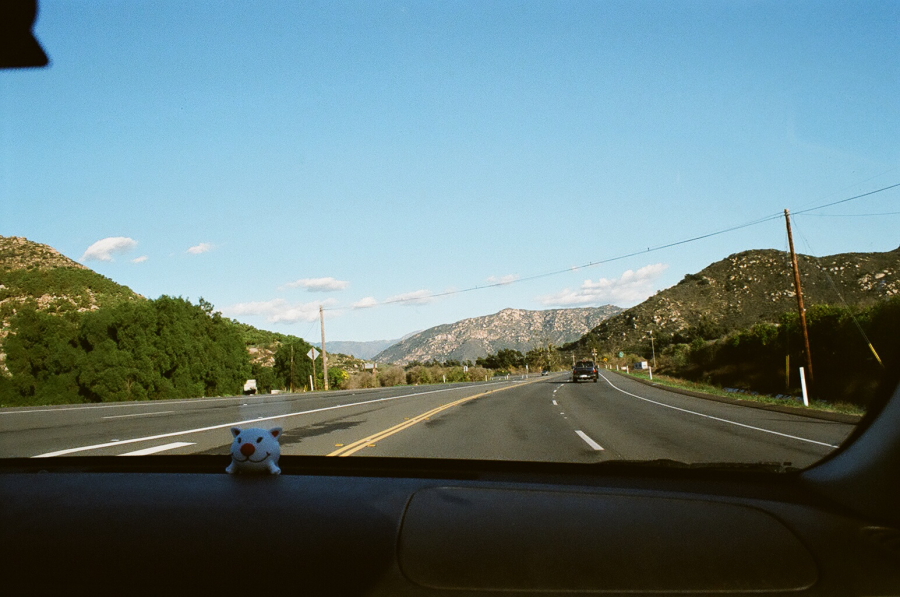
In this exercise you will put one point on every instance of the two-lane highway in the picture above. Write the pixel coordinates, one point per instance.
(541, 419)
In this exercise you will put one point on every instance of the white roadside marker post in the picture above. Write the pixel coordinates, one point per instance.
(803, 387)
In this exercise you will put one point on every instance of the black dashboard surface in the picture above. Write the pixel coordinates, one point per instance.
(368, 526)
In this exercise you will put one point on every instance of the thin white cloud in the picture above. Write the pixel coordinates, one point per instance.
(365, 303)
(254, 308)
(201, 248)
(140, 259)
(418, 297)
(278, 310)
(629, 289)
(104, 249)
(508, 279)
(319, 284)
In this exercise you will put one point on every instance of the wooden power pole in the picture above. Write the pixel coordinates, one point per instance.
(800, 305)
(324, 352)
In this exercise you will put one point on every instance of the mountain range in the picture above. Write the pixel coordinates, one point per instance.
(516, 329)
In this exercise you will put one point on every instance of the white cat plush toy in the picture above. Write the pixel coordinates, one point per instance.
(255, 450)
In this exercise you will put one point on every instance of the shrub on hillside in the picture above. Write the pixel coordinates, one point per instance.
(477, 374)
(420, 374)
(392, 376)
(359, 380)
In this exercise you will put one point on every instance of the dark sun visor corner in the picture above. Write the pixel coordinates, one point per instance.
(18, 46)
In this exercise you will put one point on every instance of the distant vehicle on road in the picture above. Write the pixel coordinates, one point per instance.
(585, 370)
(250, 386)
(545, 371)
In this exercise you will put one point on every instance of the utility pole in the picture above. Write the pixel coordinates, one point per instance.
(653, 349)
(324, 352)
(800, 305)
(292, 368)
(312, 382)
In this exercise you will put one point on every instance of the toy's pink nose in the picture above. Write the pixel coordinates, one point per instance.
(248, 450)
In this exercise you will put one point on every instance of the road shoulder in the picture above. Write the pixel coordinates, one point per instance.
(793, 410)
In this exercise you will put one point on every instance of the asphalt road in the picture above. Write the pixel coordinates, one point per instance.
(540, 419)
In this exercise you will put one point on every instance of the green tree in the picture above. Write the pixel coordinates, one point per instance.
(43, 359)
(294, 376)
(132, 350)
(264, 376)
(336, 377)
(504, 359)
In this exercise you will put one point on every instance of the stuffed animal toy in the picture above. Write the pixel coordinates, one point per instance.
(255, 451)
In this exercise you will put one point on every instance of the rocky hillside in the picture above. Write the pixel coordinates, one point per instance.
(36, 274)
(747, 288)
(510, 328)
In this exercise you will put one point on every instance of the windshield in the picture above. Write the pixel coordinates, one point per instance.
(518, 231)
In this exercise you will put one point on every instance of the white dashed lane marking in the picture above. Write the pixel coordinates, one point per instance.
(156, 449)
(588, 440)
(161, 412)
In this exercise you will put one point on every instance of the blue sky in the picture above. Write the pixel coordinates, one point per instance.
(274, 156)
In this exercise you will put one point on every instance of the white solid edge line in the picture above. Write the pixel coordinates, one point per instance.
(588, 440)
(156, 449)
(160, 412)
(236, 424)
(684, 410)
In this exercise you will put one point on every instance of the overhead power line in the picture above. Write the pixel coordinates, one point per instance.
(803, 211)
(885, 213)
(768, 218)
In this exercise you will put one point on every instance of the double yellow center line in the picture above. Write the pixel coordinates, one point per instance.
(369, 441)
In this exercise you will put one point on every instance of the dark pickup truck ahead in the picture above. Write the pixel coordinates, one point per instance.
(585, 370)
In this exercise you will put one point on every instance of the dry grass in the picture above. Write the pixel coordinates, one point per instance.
(665, 380)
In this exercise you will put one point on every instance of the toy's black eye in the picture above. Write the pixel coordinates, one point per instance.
(239, 440)
(259, 439)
